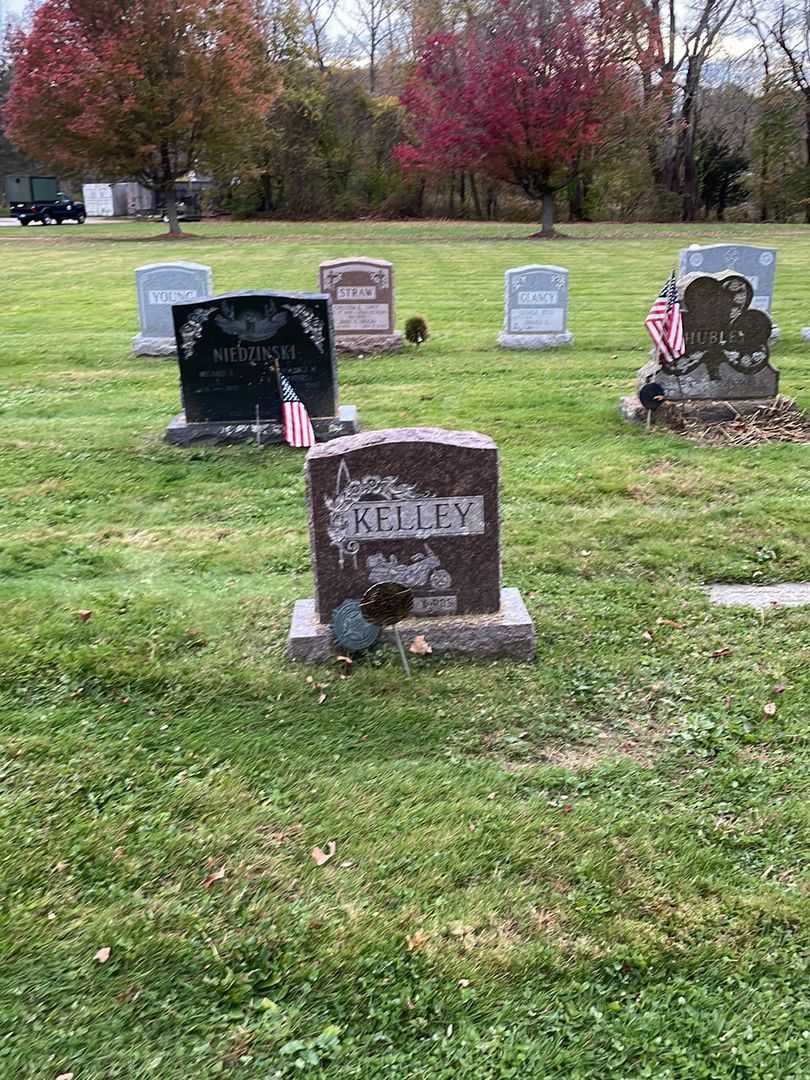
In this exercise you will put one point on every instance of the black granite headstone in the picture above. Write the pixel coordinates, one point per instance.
(228, 348)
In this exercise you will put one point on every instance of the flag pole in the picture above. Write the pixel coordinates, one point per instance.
(280, 396)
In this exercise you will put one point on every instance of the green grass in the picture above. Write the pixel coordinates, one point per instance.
(595, 866)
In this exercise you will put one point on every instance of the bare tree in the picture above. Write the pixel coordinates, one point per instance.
(320, 18)
(789, 26)
(377, 23)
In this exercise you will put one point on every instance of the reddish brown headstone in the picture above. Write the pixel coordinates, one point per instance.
(362, 294)
(418, 506)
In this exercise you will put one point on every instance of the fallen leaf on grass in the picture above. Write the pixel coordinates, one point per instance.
(416, 940)
(84, 614)
(463, 983)
(725, 651)
(320, 856)
(647, 635)
(670, 622)
(118, 853)
(770, 708)
(65, 1076)
(217, 875)
(420, 647)
(778, 689)
(103, 955)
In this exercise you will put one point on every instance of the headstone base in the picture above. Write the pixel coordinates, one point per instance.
(804, 333)
(505, 633)
(712, 411)
(153, 346)
(698, 385)
(534, 341)
(182, 433)
(369, 344)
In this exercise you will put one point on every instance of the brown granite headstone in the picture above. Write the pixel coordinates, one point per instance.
(418, 506)
(362, 295)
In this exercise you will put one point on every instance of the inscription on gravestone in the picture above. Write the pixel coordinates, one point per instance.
(535, 308)
(758, 264)
(362, 295)
(726, 344)
(158, 286)
(228, 349)
(417, 507)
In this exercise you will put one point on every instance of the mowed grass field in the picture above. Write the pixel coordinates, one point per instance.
(593, 866)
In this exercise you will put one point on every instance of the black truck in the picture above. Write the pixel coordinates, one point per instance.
(37, 198)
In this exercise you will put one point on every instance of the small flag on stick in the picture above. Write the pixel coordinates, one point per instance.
(294, 416)
(664, 324)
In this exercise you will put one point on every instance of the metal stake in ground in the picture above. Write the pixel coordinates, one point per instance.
(385, 604)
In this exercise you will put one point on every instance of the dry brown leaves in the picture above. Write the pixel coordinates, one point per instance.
(319, 856)
(781, 421)
(419, 646)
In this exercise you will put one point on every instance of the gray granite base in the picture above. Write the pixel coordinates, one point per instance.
(153, 346)
(711, 411)
(698, 385)
(804, 333)
(506, 633)
(182, 433)
(761, 597)
(534, 341)
(369, 344)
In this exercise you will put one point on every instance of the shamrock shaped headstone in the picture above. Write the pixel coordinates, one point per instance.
(726, 343)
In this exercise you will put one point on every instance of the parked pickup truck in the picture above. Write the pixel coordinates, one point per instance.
(35, 198)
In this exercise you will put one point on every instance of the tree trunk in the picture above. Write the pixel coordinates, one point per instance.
(547, 232)
(476, 198)
(167, 190)
(576, 199)
(171, 212)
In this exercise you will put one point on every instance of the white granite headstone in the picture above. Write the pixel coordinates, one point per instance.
(535, 308)
(158, 286)
(758, 264)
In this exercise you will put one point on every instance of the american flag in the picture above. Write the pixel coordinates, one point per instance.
(664, 324)
(294, 416)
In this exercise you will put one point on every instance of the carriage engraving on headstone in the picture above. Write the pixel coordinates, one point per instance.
(535, 308)
(362, 295)
(158, 286)
(229, 348)
(417, 507)
(758, 264)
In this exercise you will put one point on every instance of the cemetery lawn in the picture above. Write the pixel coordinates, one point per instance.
(594, 866)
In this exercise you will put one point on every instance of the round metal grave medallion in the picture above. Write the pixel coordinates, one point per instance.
(386, 603)
(652, 396)
(352, 631)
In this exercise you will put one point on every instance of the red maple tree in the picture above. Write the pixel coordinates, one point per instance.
(142, 89)
(520, 95)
